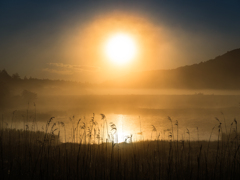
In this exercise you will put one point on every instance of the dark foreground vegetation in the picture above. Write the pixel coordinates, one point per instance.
(25, 154)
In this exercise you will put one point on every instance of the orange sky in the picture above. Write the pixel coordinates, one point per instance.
(84, 47)
(65, 40)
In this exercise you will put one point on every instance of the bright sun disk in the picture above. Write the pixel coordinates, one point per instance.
(120, 49)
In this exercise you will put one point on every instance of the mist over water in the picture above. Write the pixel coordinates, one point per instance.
(133, 115)
(119, 90)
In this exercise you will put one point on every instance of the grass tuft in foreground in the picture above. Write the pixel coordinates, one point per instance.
(25, 154)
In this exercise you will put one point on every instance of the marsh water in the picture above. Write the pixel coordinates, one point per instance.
(143, 117)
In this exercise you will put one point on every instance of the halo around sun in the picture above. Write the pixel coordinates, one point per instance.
(120, 48)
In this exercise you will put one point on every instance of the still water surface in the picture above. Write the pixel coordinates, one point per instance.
(139, 117)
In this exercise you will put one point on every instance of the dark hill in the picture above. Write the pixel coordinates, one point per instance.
(223, 72)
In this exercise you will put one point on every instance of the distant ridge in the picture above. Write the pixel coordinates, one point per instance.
(222, 72)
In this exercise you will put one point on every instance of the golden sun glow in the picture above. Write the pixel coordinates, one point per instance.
(94, 43)
(120, 48)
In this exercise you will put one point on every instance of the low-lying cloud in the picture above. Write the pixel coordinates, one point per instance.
(69, 69)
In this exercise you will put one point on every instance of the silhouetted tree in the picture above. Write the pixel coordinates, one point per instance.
(4, 75)
(16, 76)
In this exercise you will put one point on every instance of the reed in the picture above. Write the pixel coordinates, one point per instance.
(28, 154)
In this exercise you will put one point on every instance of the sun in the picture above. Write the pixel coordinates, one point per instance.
(121, 48)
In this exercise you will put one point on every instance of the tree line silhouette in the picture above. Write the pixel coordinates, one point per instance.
(10, 85)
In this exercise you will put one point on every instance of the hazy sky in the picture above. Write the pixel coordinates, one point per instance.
(65, 39)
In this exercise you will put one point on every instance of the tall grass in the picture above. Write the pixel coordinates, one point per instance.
(27, 154)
